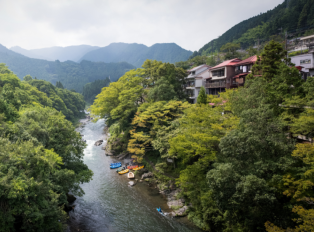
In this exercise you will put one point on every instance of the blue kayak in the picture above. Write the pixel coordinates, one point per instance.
(160, 211)
(116, 165)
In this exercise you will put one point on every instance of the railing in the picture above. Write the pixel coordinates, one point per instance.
(190, 85)
(215, 85)
(191, 95)
(238, 72)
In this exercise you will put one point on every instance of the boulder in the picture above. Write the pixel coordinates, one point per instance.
(175, 204)
(147, 175)
(132, 183)
(70, 198)
(99, 142)
(180, 212)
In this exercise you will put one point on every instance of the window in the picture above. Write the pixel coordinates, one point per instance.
(219, 73)
(307, 61)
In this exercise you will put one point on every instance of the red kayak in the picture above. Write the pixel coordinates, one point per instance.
(131, 167)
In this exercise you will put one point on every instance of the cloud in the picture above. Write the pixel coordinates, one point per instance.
(191, 24)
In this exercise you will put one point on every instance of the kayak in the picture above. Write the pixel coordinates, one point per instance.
(132, 167)
(160, 211)
(124, 171)
(138, 168)
(130, 175)
(117, 165)
(120, 169)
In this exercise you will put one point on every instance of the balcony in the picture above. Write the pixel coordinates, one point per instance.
(238, 72)
(190, 86)
(215, 85)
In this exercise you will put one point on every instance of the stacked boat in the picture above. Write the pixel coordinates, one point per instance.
(115, 165)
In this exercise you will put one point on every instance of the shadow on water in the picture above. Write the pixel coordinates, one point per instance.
(109, 204)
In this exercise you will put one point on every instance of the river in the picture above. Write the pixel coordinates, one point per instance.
(109, 204)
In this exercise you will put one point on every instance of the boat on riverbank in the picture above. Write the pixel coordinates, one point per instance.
(131, 175)
(115, 165)
(124, 171)
(120, 169)
(132, 167)
(138, 168)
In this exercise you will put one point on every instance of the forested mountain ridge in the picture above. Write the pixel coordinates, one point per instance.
(73, 53)
(72, 75)
(288, 16)
(136, 54)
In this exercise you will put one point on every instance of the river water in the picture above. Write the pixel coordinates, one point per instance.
(109, 204)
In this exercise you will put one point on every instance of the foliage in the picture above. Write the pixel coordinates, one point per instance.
(298, 52)
(231, 50)
(40, 156)
(202, 98)
(91, 90)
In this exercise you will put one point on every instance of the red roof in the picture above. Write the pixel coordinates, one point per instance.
(299, 67)
(227, 63)
(249, 60)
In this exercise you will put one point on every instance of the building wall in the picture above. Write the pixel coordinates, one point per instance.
(297, 61)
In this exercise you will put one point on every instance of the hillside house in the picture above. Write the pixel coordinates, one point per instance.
(195, 80)
(220, 77)
(242, 69)
(305, 62)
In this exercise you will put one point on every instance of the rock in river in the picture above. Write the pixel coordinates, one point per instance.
(147, 175)
(132, 183)
(99, 142)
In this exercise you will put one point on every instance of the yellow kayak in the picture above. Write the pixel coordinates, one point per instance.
(124, 171)
(135, 169)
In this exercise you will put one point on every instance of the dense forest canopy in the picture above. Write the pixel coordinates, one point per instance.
(293, 16)
(41, 153)
(91, 90)
(236, 161)
(72, 75)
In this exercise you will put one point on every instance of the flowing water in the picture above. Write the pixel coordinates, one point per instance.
(109, 204)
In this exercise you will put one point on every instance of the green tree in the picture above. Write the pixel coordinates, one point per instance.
(202, 97)
(162, 91)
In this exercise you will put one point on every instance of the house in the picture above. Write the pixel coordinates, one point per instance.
(229, 74)
(220, 77)
(195, 80)
(306, 62)
(242, 69)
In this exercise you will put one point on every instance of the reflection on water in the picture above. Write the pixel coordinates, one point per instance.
(109, 204)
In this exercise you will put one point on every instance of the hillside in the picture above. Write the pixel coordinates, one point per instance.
(136, 54)
(293, 16)
(72, 75)
(73, 53)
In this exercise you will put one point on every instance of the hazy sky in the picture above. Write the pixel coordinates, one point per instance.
(188, 23)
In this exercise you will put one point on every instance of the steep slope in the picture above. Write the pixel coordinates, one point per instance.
(72, 75)
(136, 54)
(73, 53)
(291, 16)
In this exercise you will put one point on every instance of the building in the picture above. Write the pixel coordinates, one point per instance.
(306, 62)
(229, 74)
(220, 77)
(195, 80)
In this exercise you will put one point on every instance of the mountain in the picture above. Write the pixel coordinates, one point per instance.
(71, 74)
(73, 53)
(293, 16)
(136, 54)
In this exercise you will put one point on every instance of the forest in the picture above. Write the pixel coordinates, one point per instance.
(91, 90)
(41, 153)
(292, 16)
(237, 161)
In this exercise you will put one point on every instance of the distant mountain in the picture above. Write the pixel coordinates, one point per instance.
(294, 16)
(73, 53)
(72, 75)
(136, 54)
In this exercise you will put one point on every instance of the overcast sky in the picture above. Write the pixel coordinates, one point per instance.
(188, 23)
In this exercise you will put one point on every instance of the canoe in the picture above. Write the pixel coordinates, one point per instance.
(124, 171)
(138, 168)
(118, 165)
(130, 175)
(132, 167)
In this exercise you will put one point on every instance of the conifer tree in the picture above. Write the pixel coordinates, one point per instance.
(202, 98)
